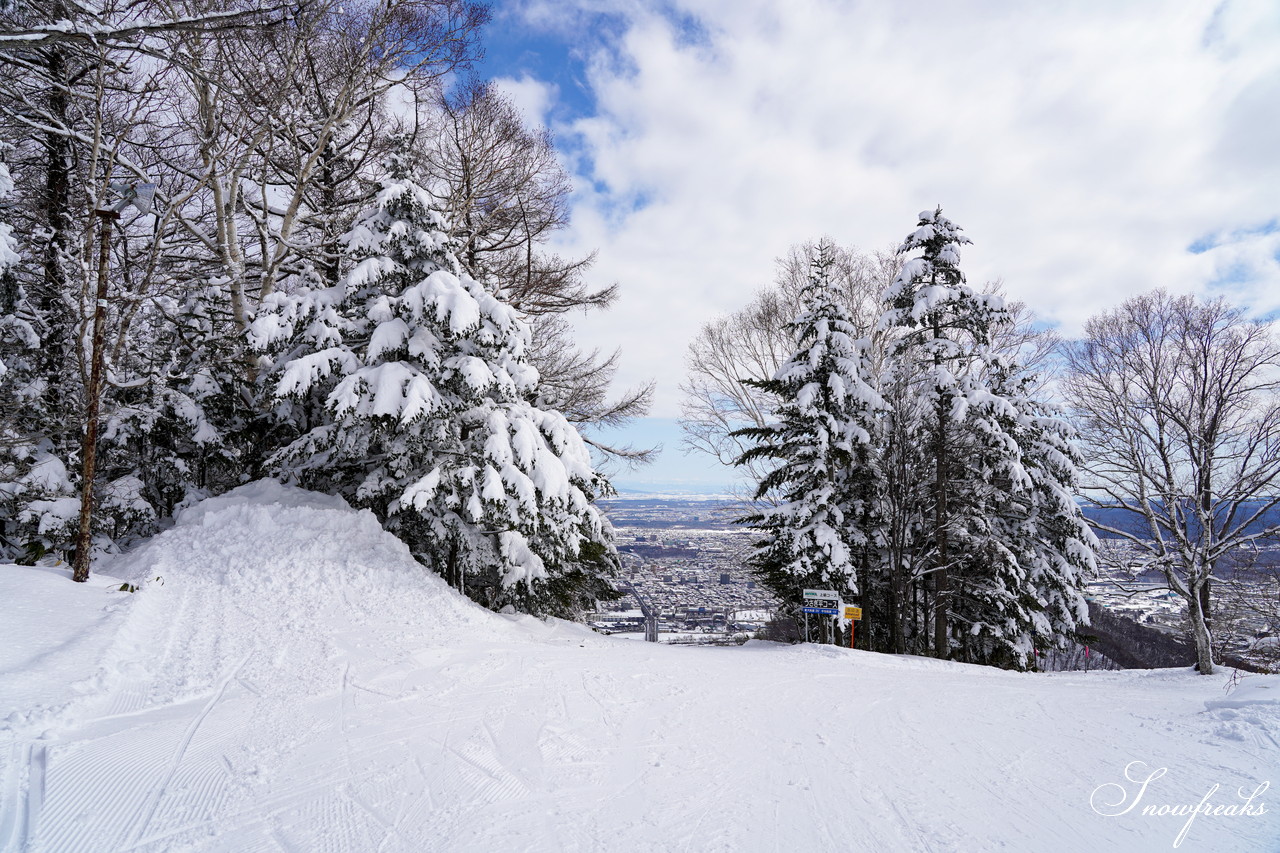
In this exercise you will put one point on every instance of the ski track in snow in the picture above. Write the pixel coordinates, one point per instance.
(271, 696)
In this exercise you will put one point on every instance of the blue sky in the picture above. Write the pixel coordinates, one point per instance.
(558, 60)
(515, 49)
(676, 470)
(1101, 151)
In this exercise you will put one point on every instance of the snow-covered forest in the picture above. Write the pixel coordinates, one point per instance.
(920, 470)
(299, 244)
(921, 446)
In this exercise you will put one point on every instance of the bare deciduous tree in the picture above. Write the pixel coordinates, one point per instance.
(505, 193)
(127, 26)
(274, 115)
(576, 383)
(1246, 608)
(1177, 401)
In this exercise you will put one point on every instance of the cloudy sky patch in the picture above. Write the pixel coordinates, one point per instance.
(1091, 151)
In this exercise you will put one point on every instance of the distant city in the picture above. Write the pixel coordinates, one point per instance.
(683, 559)
(1247, 610)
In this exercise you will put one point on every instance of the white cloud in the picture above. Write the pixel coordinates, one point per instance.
(531, 97)
(1084, 147)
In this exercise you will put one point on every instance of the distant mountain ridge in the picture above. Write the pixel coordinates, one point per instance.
(698, 505)
(1133, 523)
(674, 495)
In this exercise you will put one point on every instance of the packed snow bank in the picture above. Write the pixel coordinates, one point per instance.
(266, 582)
(288, 678)
(299, 554)
(52, 634)
(272, 582)
(1251, 691)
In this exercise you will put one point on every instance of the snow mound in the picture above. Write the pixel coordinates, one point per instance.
(270, 539)
(1254, 691)
(269, 585)
(263, 493)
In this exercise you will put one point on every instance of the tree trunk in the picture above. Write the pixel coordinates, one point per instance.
(331, 248)
(58, 291)
(897, 612)
(453, 573)
(1206, 610)
(942, 598)
(1200, 631)
(919, 615)
(93, 399)
(941, 517)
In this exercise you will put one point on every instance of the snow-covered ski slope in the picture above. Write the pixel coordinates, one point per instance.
(287, 678)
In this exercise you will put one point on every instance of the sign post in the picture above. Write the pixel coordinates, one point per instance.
(853, 614)
(823, 601)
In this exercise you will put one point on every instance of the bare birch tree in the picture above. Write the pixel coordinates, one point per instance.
(272, 117)
(1178, 404)
(500, 183)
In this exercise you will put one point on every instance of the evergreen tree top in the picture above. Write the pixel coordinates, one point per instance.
(930, 291)
(935, 231)
(403, 225)
(826, 370)
(819, 441)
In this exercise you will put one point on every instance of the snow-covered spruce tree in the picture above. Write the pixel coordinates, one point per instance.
(411, 393)
(1022, 548)
(1002, 545)
(1059, 544)
(940, 319)
(817, 499)
(38, 503)
(181, 425)
(893, 604)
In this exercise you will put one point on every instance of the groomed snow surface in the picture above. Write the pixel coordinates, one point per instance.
(287, 678)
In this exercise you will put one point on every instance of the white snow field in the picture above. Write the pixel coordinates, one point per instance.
(287, 678)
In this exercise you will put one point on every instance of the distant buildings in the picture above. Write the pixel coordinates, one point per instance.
(695, 578)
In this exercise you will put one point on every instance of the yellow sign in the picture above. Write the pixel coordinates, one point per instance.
(851, 612)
